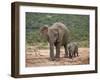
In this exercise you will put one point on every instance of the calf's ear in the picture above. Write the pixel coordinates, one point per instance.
(44, 29)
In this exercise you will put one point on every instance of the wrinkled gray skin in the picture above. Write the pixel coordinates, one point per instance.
(72, 49)
(56, 35)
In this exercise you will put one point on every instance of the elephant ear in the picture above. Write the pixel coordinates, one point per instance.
(44, 29)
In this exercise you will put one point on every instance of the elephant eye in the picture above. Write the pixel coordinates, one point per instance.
(55, 34)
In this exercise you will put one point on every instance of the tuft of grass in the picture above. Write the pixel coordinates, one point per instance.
(39, 45)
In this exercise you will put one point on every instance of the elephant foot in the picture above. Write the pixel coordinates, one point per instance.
(74, 56)
(77, 55)
(65, 56)
(57, 59)
(51, 59)
(70, 57)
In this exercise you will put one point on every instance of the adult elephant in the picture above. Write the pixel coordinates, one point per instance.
(56, 35)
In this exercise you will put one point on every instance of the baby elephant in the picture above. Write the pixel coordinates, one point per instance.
(72, 49)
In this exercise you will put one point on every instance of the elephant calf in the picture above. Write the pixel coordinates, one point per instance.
(72, 49)
(56, 35)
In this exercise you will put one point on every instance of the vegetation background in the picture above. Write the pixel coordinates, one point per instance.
(77, 24)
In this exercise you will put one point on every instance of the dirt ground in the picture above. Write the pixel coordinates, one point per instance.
(40, 57)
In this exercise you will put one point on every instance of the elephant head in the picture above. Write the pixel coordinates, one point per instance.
(51, 34)
(44, 29)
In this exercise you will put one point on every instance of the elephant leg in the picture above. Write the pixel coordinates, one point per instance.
(77, 53)
(74, 54)
(70, 54)
(52, 52)
(66, 51)
(57, 50)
